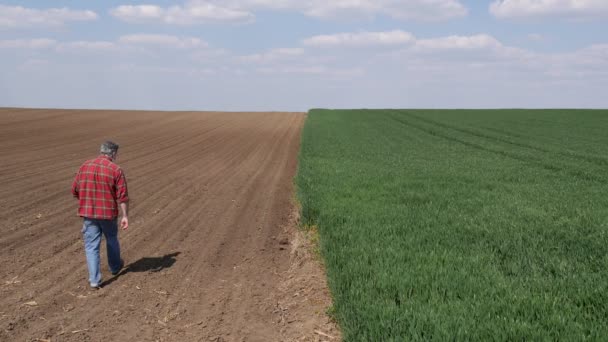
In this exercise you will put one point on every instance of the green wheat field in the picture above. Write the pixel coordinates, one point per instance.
(461, 224)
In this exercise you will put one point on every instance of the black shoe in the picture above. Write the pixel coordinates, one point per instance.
(122, 264)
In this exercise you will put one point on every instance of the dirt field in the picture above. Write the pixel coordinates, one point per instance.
(211, 253)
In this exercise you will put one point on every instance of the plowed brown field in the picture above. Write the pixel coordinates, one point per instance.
(208, 250)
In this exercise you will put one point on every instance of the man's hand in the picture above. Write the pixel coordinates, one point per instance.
(124, 223)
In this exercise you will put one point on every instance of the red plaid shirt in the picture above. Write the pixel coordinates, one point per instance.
(99, 185)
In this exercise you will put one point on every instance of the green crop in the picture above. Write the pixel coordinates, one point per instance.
(476, 225)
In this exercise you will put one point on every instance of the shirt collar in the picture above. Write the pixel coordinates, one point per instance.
(105, 157)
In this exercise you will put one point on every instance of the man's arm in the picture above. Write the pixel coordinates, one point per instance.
(76, 185)
(124, 221)
(122, 196)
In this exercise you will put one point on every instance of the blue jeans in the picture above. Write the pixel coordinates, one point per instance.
(91, 232)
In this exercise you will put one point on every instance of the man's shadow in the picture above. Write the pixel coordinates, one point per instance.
(145, 264)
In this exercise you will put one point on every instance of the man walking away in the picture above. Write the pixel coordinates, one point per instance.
(100, 187)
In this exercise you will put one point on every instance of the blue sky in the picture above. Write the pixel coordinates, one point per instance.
(300, 54)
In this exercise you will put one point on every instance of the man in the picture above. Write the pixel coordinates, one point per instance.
(101, 187)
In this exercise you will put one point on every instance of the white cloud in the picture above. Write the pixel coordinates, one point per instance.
(406, 41)
(318, 70)
(194, 12)
(40, 43)
(479, 50)
(204, 11)
(574, 9)
(402, 9)
(87, 46)
(479, 41)
(361, 39)
(146, 69)
(163, 40)
(589, 57)
(136, 13)
(273, 55)
(125, 44)
(295, 70)
(13, 17)
(433, 10)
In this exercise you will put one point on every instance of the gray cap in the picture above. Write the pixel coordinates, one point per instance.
(108, 148)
